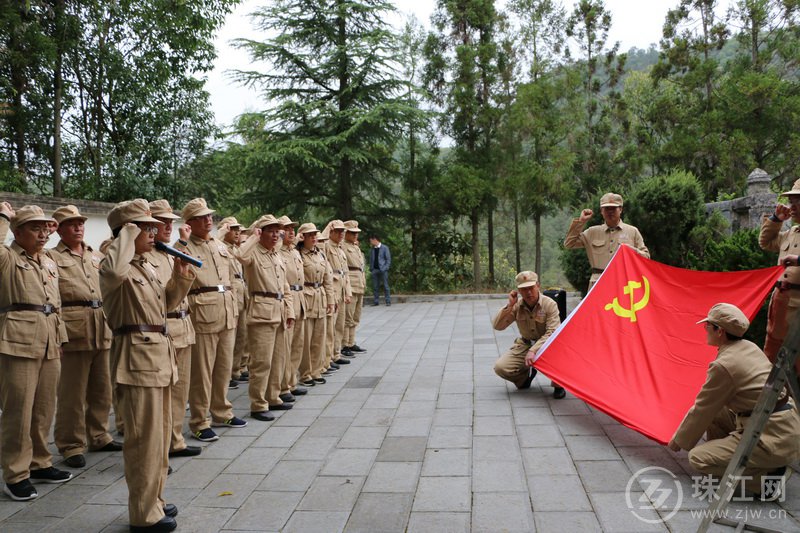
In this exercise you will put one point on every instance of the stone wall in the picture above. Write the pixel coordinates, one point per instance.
(746, 212)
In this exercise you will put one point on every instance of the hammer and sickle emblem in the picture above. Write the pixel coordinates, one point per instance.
(629, 289)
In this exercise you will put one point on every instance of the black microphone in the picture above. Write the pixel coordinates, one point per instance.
(177, 253)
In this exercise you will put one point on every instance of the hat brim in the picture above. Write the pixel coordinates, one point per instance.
(32, 219)
(292, 224)
(201, 213)
(527, 284)
(309, 232)
(353, 230)
(790, 193)
(149, 220)
(610, 205)
(701, 321)
(170, 216)
(75, 217)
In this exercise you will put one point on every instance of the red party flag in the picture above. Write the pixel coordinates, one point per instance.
(632, 349)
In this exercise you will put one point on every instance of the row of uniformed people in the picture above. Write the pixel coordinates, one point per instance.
(199, 343)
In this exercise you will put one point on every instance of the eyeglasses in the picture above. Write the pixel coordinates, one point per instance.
(148, 228)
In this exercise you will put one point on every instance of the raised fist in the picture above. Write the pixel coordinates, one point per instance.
(586, 214)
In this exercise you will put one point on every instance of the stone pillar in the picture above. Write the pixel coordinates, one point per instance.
(758, 182)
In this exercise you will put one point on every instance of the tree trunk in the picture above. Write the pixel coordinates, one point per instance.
(476, 253)
(345, 165)
(58, 89)
(414, 252)
(516, 234)
(490, 244)
(537, 222)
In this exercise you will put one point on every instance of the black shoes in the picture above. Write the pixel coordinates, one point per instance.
(189, 451)
(300, 391)
(308, 383)
(112, 446)
(281, 407)
(22, 491)
(559, 392)
(171, 510)
(318, 381)
(233, 384)
(527, 383)
(347, 352)
(75, 461)
(50, 475)
(356, 349)
(287, 397)
(264, 416)
(341, 362)
(165, 524)
(243, 378)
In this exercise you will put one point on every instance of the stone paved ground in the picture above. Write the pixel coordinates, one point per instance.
(417, 435)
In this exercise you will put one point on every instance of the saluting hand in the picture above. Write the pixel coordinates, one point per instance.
(185, 231)
(7, 210)
(512, 298)
(586, 214)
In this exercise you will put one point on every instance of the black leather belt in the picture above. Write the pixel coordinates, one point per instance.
(597, 270)
(786, 286)
(359, 269)
(140, 328)
(296, 287)
(47, 309)
(277, 295)
(212, 288)
(781, 405)
(94, 304)
(524, 340)
(178, 314)
(315, 284)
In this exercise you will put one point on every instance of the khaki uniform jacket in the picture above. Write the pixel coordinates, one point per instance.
(133, 294)
(180, 330)
(294, 276)
(338, 261)
(266, 272)
(601, 241)
(772, 239)
(734, 382)
(315, 270)
(239, 285)
(23, 280)
(79, 281)
(535, 324)
(355, 259)
(212, 312)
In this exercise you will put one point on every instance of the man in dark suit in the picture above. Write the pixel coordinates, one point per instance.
(380, 259)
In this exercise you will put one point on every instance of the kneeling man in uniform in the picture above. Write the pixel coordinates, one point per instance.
(733, 384)
(537, 318)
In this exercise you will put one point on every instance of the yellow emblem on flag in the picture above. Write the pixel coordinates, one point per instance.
(629, 289)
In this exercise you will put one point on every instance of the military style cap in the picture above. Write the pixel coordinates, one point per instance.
(266, 220)
(29, 213)
(195, 208)
(611, 200)
(162, 209)
(231, 222)
(728, 317)
(526, 279)
(286, 221)
(335, 224)
(795, 191)
(67, 212)
(131, 211)
(352, 225)
(308, 227)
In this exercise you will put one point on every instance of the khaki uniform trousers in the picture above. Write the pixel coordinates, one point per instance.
(268, 353)
(312, 364)
(780, 315)
(240, 347)
(28, 401)
(511, 365)
(84, 402)
(212, 357)
(352, 319)
(148, 422)
(179, 397)
(722, 438)
(295, 339)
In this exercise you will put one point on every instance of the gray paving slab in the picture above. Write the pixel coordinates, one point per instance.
(416, 435)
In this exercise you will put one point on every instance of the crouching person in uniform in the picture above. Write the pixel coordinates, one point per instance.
(143, 357)
(537, 318)
(31, 334)
(733, 384)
